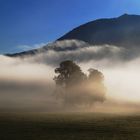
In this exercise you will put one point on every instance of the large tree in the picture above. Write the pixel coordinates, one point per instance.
(76, 88)
(69, 74)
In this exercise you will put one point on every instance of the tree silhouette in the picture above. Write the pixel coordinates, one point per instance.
(76, 88)
(95, 75)
(95, 83)
(69, 73)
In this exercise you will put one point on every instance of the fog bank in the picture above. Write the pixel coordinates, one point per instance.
(27, 83)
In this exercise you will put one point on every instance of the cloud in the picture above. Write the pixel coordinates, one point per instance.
(26, 83)
(30, 86)
(85, 54)
(30, 47)
(79, 51)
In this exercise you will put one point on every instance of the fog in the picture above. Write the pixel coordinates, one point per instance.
(26, 84)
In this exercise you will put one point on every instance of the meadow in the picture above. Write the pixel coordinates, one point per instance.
(69, 126)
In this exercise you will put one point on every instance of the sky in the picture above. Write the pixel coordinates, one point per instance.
(27, 24)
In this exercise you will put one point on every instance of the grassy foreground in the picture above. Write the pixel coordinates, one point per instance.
(69, 127)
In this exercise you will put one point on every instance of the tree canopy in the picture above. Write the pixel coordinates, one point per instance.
(77, 86)
(95, 75)
(69, 73)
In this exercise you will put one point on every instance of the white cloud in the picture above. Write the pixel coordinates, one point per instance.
(28, 82)
(30, 47)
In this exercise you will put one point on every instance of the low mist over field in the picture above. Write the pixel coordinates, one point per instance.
(27, 83)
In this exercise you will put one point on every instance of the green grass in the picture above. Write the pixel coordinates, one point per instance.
(69, 127)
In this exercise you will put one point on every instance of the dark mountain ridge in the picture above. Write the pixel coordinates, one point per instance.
(123, 31)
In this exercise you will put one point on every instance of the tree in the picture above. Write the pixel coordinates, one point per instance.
(95, 83)
(77, 89)
(69, 73)
(95, 75)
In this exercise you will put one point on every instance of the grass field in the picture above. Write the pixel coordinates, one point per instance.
(69, 127)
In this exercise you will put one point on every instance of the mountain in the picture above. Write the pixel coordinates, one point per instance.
(121, 31)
